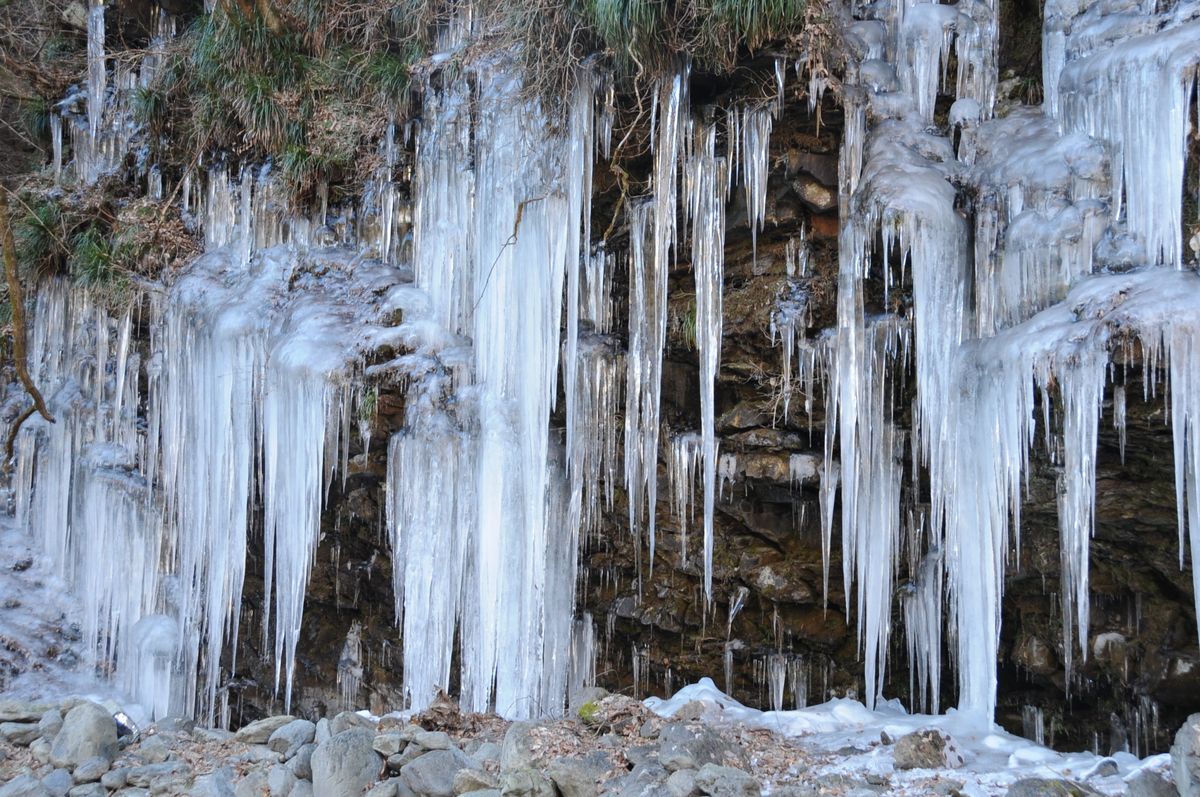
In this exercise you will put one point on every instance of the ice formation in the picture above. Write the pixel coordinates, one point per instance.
(1035, 244)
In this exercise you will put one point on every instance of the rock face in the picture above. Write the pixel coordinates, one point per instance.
(88, 731)
(345, 764)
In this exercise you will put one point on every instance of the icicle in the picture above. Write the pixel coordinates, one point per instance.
(756, 144)
(708, 186)
(648, 307)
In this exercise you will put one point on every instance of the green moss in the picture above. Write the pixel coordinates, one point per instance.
(589, 712)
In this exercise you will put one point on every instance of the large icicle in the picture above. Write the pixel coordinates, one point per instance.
(648, 306)
(708, 189)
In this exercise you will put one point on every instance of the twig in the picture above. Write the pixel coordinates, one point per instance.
(18, 309)
(11, 442)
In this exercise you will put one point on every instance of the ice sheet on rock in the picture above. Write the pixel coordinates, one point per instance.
(849, 733)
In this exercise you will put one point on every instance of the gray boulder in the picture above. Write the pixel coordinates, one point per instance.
(347, 720)
(927, 749)
(280, 781)
(88, 731)
(288, 739)
(58, 783)
(517, 752)
(22, 711)
(726, 782)
(682, 783)
(579, 776)
(525, 782)
(469, 780)
(115, 778)
(50, 724)
(1149, 783)
(259, 731)
(153, 749)
(23, 786)
(433, 740)
(1047, 787)
(388, 744)
(91, 770)
(88, 790)
(303, 788)
(301, 762)
(432, 775)
(345, 764)
(147, 774)
(21, 734)
(481, 793)
(646, 780)
(254, 784)
(323, 732)
(218, 783)
(1185, 757)
(686, 746)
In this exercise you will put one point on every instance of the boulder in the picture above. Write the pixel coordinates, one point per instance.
(288, 739)
(1151, 783)
(517, 752)
(301, 762)
(280, 781)
(303, 788)
(22, 711)
(259, 731)
(433, 740)
(254, 784)
(347, 720)
(218, 783)
(345, 764)
(388, 744)
(1048, 787)
(469, 780)
(432, 774)
(50, 724)
(23, 786)
(92, 770)
(927, 749)
(682, 783)
(22, 734)
(147, 774)
(525, 782)
(58, 783)
(578, 776)
(1185, 757)
(153, 750)
(115, 778)
(720, 781)
(88, 790)
(88, 731)
(688, 746)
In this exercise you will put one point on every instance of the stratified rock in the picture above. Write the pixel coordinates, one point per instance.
(259, 731)
(1047, 787)
(88, 731)
(288, 739)
(433, 773)
(687, 746)
(345, 764)
(720, 781)
(927, 749)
